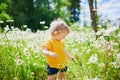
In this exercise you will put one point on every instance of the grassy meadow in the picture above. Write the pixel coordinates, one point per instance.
(21, 57)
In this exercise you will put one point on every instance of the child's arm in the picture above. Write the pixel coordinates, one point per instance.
(68, 55)
(46, 52)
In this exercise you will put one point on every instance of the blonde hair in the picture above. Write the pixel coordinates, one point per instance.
(58, 25)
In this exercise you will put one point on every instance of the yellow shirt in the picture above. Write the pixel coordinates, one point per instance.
(57, 47)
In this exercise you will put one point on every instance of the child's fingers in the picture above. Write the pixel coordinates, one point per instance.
(74, 59)
(52, 54)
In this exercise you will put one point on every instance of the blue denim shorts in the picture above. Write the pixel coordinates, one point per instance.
(52, 71)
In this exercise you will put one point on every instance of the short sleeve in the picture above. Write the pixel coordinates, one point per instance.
(48, 45)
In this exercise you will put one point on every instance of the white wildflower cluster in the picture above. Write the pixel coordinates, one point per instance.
(9, 20)
(116, 63)
(18, 61)
(32, 43)
(75, 50)
(42, 22)
(101, 65)
(100, 32)
(26, 52)
(103, 45)
(106, 32)
(15, 78)
(118, 36)
(25, 26)
(1, 21)
(6, 29)
(32, 73)
(87, 78)
(16, 45)
(88, 51)
(118, 57)
(96, 78)
(35, 48)
(97, 44)
(93, 59)
(34, 64)
(80, 37)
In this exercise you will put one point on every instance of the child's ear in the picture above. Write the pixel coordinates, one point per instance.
(55, 32)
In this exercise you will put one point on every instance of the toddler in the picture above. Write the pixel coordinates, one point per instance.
(54, 50)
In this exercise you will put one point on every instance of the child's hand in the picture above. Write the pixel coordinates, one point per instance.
(53, 55)
(73, 58)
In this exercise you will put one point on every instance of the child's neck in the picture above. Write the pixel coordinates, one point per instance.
(55, 39)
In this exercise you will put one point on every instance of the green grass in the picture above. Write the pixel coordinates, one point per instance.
(21, 57)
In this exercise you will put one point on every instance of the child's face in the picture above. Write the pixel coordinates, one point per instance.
(61, 35)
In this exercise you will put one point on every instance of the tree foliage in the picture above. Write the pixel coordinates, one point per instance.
(32, 12)
(74, 9)
(3, 15)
